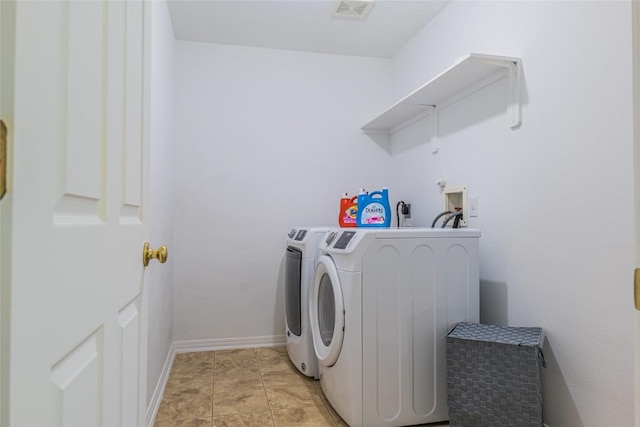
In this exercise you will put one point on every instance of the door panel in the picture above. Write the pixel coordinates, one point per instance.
(78, 302)
(133, 121)
(77, 381)
(83, 96)
(129, 322)
(80, 112)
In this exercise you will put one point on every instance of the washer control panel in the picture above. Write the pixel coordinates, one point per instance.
(297, 235)
(341, 240)
(344, 239)
(330, 237)
(301, 235)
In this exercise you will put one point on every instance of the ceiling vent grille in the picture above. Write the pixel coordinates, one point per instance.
(353, 9)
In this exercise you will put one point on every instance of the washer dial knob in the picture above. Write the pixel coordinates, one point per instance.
(331, 237)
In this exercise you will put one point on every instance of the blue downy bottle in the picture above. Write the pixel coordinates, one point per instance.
(374, 209)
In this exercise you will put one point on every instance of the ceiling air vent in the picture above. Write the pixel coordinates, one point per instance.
(353, 9)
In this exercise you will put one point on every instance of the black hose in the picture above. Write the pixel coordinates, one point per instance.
(397, 213)
(450, 217)
(433, 224)
(456, 222)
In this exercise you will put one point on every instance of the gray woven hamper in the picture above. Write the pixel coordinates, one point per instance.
(494, 376)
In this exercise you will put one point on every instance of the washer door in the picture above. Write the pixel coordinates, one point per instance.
(292, 290)
(326, 312)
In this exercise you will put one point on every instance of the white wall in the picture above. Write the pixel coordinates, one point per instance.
(266, 140)
(162, 167)
(555, 197)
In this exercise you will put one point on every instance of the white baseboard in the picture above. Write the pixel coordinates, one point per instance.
(190, 346)
(158, 392)
(229, 343)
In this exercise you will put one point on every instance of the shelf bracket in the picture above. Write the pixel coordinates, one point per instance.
(514, 74)
(435, 134)
(515, 105)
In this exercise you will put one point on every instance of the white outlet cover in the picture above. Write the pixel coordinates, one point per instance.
(473, 206)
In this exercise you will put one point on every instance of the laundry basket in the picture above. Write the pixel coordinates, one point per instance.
(494, 376)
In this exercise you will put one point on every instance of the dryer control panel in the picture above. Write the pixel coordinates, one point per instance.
(341, 240)
(344, 239)
(297, 235)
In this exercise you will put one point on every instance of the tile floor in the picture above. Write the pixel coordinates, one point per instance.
(243, 388)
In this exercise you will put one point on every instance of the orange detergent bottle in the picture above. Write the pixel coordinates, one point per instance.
(348, 211)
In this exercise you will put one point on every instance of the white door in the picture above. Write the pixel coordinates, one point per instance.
(77, 319)
(636, 114)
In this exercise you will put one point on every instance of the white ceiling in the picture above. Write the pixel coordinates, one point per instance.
(303, 25)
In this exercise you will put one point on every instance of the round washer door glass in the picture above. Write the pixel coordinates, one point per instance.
(326, 312)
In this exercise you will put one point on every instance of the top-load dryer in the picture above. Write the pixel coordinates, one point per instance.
(381, 304)
(300, 260)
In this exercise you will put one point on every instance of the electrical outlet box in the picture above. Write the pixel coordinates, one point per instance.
(455, 198)
(406, 210)
(473, 207)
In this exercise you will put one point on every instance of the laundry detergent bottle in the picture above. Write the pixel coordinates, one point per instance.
(374, 209)
(348, 211)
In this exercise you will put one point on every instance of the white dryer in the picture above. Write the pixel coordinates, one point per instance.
(381, 304)
(300, 260)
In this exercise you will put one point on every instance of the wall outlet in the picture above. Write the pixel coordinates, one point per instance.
(406, 210)
(473, 206)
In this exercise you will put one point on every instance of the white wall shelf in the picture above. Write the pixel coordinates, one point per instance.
(464, 77)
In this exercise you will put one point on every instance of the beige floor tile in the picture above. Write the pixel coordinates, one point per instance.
(242, 388)
(224, 379)
(181, 408)
(253, 419)
(196, 356)
(242, 353)
(281, 349)
(199, 422)
(336, 417)
(318, 386)
(227, 376)
(271, 354)
(309, 416)
(282, 367)
(293, 397)
(189, 386)
(276, 363)
(239, 401)
(285, 379)
(228, 383)
(224, 364)
(192, 370)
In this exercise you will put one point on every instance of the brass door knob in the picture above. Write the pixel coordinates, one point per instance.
(636, 288)
(148, 254)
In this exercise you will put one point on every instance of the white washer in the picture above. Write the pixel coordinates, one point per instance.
(381, 303)
(300, 261)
